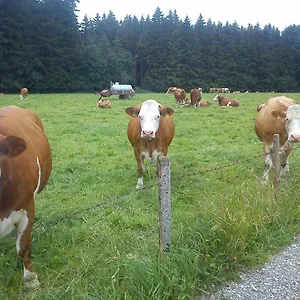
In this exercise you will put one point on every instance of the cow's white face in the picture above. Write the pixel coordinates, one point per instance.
(292, 123)
(149, 116)
(216, 98)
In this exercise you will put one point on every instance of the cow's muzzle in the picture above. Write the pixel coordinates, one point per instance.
(294, 138)
(147, 134)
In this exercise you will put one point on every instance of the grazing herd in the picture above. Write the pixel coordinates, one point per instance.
(26, 159)
(196, 98)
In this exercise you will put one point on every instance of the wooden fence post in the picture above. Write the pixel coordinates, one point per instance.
(164, 203)
(276, 163)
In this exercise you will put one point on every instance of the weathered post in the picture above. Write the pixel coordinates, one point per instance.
(276, 163)
(164, 203)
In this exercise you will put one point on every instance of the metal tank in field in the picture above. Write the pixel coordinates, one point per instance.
(125, 91)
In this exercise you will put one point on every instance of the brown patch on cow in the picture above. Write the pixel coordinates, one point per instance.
(22, 143)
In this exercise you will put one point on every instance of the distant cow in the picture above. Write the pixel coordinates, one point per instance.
(279, 115)
(150, 131)
(105, 93)
(104, 103)
(180, 96)
(171, 90)
(25, 165)
(23, 93)
(225, 101)
(196, 95)
(203, 103)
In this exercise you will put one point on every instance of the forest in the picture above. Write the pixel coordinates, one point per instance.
(44, 47)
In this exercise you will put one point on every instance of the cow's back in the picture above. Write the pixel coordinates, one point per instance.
(266, 125)
(24, 169)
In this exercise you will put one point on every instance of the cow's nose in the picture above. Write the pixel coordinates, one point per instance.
(295, 138)
(147, 132)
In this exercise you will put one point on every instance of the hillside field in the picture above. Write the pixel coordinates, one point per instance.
(96, 237)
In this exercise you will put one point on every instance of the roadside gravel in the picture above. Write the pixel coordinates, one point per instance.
(278, 279)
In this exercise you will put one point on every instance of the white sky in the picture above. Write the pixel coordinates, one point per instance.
(281, 14)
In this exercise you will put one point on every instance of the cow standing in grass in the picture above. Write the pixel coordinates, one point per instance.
(23, 93)
(150, 131)
(279, 115)
(180, 96)
(195, 95)
(25, 167)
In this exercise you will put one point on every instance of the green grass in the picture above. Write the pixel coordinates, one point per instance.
(97, 238)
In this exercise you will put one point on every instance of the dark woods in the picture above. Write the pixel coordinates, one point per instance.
(43, 47)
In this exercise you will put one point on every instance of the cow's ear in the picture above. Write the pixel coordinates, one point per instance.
(12, 146)
(166, 110)
(278, 114)
(132, 111)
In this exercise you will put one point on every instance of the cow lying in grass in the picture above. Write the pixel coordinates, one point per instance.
(104, 103)
(225, 101)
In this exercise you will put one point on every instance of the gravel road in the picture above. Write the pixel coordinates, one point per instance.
(278, 279)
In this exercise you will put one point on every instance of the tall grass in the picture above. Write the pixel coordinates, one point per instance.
(95, 237)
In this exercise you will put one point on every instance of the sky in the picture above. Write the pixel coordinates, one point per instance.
(281, 14)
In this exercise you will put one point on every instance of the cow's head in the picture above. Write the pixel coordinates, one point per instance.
(216, 98)
(292, 121)
(149, 114)
(11, 146)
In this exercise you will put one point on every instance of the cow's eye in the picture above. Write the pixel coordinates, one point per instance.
(157, 117)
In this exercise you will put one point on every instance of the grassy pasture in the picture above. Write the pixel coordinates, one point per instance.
(97, 238)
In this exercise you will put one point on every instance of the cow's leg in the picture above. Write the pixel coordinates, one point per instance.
(268, 163)
(229, 103)
(285, 159)
(24, 228)
(140, 169)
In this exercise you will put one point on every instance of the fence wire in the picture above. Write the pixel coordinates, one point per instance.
(42, 225)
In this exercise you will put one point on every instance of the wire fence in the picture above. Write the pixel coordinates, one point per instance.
(39, 224)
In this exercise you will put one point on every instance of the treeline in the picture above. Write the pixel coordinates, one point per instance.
(43, 47)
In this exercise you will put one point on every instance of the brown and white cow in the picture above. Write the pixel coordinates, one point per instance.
(171, 90)
(150, 131)
(195, 95)
(225, 101)
(180, 96)
(25, 167)
(203, 103)
(104, 103)
(280, 115)
(23, 93)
